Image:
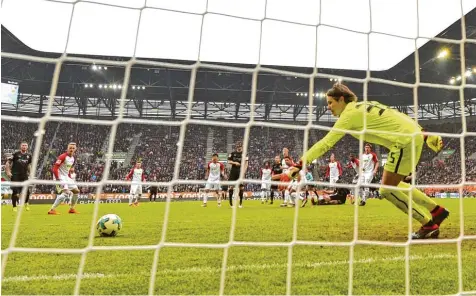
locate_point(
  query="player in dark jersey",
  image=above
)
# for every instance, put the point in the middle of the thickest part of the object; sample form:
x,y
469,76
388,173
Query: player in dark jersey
x,y
18,169
276,169
153,190
234,159
336,197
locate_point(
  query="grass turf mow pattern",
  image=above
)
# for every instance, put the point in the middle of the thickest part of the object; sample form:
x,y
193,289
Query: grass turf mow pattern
x,y
250,269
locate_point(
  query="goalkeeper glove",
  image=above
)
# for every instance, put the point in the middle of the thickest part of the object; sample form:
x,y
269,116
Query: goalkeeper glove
x,y
435,143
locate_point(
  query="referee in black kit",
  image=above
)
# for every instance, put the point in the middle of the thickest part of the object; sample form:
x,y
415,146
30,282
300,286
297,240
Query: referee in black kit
x,y
18,169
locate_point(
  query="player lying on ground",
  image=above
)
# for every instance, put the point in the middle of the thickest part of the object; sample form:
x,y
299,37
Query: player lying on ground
x,y
67,188
342,102
338,196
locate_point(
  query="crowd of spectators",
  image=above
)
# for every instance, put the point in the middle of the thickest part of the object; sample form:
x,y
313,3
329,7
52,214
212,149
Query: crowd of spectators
x,y
158,148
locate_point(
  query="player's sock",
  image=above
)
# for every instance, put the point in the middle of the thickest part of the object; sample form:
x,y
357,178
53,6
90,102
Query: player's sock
x,y
419,197
74,200
131,198
240,194
205,198
271,196
27,198
218,198
230,196
365,194
138,197
286,196
401,200
59,200
14,200
263,194
293,197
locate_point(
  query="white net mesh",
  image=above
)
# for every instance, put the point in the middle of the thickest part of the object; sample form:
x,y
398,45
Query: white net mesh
x,y
58,62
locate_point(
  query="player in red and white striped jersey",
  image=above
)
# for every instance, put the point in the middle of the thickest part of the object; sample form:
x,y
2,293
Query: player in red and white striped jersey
x,y
137,176
369,170
334,170
61,172
265,174
215,170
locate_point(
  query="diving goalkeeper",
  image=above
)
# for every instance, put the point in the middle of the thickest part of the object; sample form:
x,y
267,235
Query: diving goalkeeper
x,y
380,120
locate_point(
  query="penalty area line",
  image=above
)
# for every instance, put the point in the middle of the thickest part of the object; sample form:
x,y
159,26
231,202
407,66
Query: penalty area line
x,y
245,267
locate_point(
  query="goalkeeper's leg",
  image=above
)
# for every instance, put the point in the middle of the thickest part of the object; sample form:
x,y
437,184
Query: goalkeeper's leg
x,y
397,167
438,213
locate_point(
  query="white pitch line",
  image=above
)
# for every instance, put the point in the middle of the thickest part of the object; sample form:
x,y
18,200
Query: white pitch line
x,y
248,267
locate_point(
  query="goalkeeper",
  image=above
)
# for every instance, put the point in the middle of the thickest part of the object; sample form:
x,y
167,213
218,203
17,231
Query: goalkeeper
x,y
381,121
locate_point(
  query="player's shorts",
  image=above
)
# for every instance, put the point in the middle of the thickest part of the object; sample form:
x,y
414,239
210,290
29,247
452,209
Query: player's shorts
x,y
367,177
266,186
400,159
16,178
66,184
136,189
234,175
333,180
213,185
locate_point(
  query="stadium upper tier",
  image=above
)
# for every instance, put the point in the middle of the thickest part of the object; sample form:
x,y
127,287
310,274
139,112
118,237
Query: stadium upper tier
x,y
156,146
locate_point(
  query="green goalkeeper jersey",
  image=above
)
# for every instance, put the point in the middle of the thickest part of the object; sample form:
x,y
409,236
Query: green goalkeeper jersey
x,y
380,121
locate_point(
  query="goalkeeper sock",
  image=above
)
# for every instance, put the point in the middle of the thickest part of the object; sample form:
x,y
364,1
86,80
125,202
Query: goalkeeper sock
x,y
401,200
271,197
74,200
59,199
419,197
241,196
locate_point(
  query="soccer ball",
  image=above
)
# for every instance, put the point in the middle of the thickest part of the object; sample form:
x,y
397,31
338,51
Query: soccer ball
x,y
109,225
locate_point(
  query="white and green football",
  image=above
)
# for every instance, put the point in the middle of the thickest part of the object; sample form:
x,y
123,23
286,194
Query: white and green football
x,y
109,225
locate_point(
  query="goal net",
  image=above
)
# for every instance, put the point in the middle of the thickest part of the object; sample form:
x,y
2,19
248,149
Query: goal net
x,y
309,39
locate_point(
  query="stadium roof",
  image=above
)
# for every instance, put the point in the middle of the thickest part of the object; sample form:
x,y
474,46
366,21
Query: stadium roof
x,y
85,80
350,34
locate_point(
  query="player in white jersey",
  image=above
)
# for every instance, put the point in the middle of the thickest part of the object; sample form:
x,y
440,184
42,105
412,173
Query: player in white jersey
x,y
137,176
354,164
265,173
215,170
334,170
369,170
62,172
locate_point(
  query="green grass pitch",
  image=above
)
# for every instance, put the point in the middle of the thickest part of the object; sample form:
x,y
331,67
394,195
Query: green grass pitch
x,y
250,270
